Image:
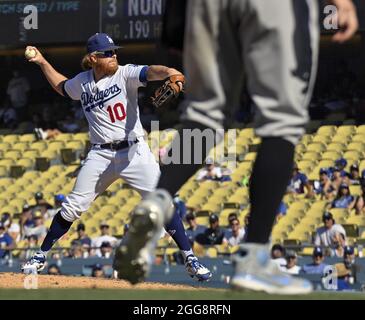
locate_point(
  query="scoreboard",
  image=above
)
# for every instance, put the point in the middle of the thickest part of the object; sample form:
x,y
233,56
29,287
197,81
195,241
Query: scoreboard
x,y
132,19
73,21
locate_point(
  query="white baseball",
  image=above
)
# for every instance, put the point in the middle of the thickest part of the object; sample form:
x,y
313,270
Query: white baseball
x,y
30,53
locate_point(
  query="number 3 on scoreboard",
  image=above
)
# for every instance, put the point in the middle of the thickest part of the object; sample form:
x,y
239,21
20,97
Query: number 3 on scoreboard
x,y
117,112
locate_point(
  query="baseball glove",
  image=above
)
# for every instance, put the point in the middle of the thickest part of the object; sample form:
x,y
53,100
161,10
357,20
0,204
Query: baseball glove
x,y
169,91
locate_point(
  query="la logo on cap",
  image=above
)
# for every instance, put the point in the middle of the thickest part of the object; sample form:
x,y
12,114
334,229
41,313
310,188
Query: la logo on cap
x,y
110,39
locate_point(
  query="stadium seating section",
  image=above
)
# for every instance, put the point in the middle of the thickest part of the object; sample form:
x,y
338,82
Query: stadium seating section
x,y
28,166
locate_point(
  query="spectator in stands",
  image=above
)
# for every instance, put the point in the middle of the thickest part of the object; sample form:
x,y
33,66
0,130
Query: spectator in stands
x,y
106,250
26,219
337,179
291,262
44,130
226,175
8,116
281,211
235,235
326,235
31,243
41,204
6,242
12,227
180,206
354,175
18,93
82,237
344,198
39,229
214,234
278,256
210,172
360,203
323,186
104,237
347,270
231,216
193,228
58,200
339,243
77,251
299,183
341,164
54,270
317,266
98,271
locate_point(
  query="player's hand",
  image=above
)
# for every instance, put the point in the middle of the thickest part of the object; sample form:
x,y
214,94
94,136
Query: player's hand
x,y
347,20
38,59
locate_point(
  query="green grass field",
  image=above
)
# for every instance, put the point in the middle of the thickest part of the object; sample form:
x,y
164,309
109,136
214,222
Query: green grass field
x,y
129,294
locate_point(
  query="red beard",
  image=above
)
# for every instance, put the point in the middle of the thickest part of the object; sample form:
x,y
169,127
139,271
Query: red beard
x,y
107,68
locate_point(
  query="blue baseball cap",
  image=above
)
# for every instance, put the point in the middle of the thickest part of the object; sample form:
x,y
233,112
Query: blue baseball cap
x,y
317,252
324,171
349,250
59,197
100,42
341,162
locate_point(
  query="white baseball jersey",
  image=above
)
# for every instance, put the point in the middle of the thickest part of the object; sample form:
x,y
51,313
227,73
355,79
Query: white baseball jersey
x,y
111,104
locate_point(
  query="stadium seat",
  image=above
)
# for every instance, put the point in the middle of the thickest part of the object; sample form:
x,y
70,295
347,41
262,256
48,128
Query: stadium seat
x,y
327,130
30,137
32,175
358,138
4,171
356,146
316,147
336,146
11,138
341,139
56,145
354,156
26,163
13,154
355,190
251,156
64,137
39,145
346,130
75,145
21,146
331,155
322,139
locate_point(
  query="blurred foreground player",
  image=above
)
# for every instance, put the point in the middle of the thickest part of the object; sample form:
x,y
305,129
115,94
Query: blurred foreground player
x,y
276,44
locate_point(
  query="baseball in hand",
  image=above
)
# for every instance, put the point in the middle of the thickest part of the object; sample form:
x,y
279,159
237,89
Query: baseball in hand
x,y
30,53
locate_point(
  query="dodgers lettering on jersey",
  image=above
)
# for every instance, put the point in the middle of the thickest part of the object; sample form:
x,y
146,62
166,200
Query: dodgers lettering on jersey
x,y
111,104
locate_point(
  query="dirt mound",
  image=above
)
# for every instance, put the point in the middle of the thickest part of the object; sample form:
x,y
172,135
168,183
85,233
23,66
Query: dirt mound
x,y
18,281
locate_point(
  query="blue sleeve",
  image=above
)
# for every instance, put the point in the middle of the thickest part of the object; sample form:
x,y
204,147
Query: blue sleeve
x,y
143,74
304,179
8,239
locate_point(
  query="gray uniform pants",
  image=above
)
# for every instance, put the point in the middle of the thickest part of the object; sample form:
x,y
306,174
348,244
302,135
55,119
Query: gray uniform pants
x,y
273,42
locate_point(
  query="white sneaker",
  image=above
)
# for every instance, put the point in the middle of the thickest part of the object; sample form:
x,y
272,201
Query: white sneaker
x,y
255,271
35,264
197,270
134,257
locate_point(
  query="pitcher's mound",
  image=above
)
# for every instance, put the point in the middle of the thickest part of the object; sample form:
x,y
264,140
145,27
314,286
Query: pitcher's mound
x,y
19,281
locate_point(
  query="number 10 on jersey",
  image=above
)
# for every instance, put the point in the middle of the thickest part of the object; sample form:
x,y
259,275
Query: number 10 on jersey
x,y
117,112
